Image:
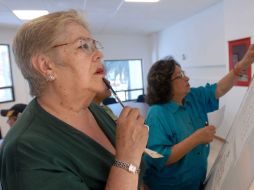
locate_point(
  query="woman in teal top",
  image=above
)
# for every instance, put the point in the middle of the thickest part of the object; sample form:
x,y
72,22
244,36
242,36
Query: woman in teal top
x,y
177,118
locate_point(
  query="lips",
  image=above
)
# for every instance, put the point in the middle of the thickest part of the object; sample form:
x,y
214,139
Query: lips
x,y
99,71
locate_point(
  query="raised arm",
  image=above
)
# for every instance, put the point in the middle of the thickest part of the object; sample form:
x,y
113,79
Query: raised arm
x,y
227,82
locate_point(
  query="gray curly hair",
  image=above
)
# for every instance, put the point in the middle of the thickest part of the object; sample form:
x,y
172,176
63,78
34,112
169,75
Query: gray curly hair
x,y
38,36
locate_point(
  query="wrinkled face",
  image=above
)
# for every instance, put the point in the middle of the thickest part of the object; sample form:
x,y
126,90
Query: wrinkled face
x,y
79,69
180,83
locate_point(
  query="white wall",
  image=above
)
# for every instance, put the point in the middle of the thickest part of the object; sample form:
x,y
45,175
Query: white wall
x,y
200,39
239,19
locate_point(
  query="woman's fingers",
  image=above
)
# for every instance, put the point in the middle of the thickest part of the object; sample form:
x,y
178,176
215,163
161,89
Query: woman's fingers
x,y
131,134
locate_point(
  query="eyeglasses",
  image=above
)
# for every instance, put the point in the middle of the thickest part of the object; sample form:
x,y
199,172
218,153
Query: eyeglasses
x,y
179,76
87,44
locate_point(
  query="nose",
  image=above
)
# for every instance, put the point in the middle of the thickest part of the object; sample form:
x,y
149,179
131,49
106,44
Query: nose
x,y
98,55
186,78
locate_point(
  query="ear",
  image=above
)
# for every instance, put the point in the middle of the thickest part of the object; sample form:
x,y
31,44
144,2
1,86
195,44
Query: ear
x,y
42,64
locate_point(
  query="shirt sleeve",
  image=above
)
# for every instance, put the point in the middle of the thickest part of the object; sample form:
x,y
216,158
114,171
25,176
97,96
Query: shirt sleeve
x,y
205,95
161,137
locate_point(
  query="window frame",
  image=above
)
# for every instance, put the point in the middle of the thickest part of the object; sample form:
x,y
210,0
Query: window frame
x,y
11,87
129,90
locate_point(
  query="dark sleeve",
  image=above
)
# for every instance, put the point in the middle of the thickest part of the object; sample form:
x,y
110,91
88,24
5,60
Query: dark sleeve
x,y
45,180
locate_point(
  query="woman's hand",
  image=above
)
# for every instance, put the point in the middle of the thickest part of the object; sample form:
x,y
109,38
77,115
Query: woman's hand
x,y
227,82
201,136
205,135
248,58
131,136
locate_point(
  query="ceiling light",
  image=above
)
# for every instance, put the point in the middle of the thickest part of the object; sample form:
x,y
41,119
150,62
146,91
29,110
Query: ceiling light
x,y
142,1
29,14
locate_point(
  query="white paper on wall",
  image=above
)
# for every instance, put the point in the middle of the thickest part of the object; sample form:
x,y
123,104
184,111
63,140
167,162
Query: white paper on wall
x,y
216,117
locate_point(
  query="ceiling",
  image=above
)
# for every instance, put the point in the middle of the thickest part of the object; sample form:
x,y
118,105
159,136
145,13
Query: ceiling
x,y
113,16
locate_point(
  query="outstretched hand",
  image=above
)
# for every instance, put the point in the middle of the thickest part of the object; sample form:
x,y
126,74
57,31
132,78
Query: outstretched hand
x,y
248,58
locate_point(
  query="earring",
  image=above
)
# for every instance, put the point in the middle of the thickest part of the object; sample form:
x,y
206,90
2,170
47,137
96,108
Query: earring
x,y
50,77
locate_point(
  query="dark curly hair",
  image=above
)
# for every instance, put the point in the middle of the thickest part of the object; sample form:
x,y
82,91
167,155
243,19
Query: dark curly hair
x,y
159,88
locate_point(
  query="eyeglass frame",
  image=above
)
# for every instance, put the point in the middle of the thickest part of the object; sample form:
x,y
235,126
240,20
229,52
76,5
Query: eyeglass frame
x,y
96,44
179,76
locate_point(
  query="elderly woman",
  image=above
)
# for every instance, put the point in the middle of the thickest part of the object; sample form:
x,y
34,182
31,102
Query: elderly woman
x,y
62,141
177,117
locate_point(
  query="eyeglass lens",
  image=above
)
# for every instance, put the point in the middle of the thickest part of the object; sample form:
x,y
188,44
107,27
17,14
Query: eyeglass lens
x,y
90,45
179,76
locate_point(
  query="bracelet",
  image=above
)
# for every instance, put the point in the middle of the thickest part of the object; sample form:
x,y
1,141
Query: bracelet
x,y
237,70
126,166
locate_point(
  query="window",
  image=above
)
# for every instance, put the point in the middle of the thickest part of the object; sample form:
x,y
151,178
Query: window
x,y
6,84
125,77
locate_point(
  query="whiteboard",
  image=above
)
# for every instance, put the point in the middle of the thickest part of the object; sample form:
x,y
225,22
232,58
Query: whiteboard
x,y
234,166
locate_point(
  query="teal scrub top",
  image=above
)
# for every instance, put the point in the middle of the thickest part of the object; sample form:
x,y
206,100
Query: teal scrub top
x,y
171,123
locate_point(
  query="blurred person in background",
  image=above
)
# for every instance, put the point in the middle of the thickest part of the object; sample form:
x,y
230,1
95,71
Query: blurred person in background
x,y
13,113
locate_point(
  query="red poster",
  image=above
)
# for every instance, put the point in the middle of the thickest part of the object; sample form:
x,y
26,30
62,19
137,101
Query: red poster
x,y
237,49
